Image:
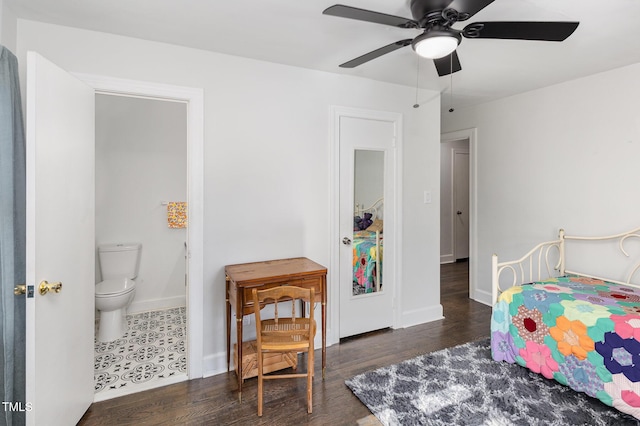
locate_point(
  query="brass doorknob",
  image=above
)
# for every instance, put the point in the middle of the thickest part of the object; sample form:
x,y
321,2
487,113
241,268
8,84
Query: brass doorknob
x,y
45,287
20,289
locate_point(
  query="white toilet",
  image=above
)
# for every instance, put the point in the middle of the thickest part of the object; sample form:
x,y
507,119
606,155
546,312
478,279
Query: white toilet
x,y
119,264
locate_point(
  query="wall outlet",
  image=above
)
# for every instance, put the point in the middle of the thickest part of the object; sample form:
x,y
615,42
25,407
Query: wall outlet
x,y
246,320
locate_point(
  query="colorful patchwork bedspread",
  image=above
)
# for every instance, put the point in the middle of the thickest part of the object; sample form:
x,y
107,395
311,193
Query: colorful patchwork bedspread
x,y
582,332
364,259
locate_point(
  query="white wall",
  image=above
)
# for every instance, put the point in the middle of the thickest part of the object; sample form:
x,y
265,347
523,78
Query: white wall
x,y
420,281
141,161
267,158
563,156
446,198
8,27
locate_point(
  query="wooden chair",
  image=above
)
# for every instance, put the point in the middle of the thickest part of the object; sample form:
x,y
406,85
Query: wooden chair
x,y
285,334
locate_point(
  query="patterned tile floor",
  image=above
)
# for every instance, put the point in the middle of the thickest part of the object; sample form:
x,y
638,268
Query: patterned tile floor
x,y
152,353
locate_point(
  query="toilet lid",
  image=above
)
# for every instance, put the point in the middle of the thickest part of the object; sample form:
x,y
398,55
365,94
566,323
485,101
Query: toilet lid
x,y
115,286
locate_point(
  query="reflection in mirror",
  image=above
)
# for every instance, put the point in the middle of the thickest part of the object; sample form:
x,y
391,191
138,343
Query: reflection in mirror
x,y
368,221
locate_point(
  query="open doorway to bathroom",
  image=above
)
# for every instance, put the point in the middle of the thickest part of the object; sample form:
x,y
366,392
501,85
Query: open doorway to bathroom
x,y
141,175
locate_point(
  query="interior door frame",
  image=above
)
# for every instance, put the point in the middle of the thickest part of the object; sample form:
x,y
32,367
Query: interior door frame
x,y
194,99
336,113
472,136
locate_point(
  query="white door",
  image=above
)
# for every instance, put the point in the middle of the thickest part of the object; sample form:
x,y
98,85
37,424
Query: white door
x,y
60,244
461,203
363,307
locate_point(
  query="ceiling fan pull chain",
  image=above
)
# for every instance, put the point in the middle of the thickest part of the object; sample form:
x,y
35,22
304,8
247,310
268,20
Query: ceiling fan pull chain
x,y
451,84
417,105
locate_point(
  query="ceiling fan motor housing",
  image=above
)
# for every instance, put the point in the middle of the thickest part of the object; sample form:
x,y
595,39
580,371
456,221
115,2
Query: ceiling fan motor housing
x,y
435,15
420,8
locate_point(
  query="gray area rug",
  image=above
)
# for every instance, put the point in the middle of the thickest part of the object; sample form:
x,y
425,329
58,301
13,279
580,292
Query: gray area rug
x,y
463,385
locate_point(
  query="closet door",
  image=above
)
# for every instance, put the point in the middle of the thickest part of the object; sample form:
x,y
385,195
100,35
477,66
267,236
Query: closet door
x,y
367,145
461,203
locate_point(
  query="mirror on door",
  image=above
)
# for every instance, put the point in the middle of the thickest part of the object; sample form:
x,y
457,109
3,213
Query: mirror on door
x,y
368,221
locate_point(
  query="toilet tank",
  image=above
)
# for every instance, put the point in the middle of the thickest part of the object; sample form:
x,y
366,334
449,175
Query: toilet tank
x,y
119,260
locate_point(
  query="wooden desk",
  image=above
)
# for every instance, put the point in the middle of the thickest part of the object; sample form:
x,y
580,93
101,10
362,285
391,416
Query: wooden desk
x,y
241,279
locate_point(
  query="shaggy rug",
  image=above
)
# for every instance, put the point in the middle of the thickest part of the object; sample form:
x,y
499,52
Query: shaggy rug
x,y
463,385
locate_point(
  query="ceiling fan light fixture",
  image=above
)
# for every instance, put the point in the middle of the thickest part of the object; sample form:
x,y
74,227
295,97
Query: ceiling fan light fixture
x,y
436,44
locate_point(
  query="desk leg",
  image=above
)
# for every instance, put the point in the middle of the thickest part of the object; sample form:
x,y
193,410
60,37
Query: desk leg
x,y
324,337
228,303
239,352
228,334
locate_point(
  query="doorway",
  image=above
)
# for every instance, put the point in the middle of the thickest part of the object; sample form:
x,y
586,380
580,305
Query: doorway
x,y
193,101
141,177
458,201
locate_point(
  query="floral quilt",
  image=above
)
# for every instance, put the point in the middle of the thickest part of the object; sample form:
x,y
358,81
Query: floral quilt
x,y
364,260
582,332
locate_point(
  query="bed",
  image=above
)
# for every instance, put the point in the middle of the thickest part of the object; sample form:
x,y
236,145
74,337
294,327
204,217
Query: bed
x,y
580,329
367,248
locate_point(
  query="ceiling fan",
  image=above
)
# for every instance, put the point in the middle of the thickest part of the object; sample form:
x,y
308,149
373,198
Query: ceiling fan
x,y
439,40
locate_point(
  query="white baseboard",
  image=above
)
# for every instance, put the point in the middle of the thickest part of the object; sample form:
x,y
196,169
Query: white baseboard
x,y
447,258
482,297
216,364
156,304
422,315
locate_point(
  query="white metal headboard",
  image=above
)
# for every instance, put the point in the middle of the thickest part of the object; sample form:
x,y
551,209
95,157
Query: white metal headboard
x,y
376,207
548,259
620,238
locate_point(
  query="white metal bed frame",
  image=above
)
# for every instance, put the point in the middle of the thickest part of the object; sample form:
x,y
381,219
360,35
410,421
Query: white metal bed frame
x,y
538,264
373,209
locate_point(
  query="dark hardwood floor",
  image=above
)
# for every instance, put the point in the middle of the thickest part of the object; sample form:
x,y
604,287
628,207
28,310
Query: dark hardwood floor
x,y
213,401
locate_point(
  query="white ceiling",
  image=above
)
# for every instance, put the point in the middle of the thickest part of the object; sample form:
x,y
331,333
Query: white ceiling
x,y
294,32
